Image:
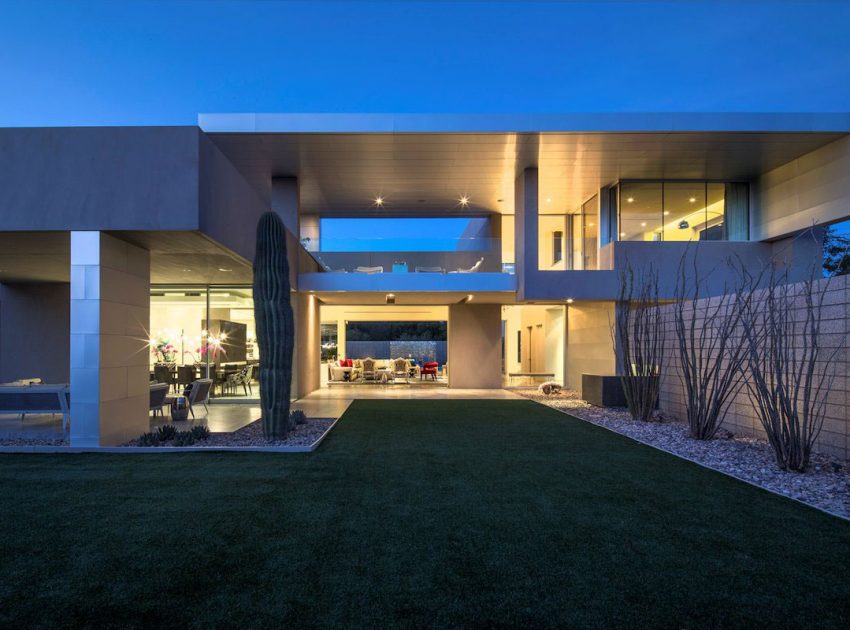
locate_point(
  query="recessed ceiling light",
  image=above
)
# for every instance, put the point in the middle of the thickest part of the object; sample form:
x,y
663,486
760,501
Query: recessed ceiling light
x,y
666,212
187,270
692,199
569,300
379,201
548,199
463,200
630,199
643,224
225,269
590,224
622,233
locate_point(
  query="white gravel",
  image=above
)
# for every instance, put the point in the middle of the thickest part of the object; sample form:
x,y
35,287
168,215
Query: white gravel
x,y
826,485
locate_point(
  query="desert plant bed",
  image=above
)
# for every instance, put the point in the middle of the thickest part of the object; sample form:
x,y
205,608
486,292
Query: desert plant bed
x,y
826,484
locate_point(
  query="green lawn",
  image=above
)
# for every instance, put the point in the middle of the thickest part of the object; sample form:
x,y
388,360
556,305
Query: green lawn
x,y
414,513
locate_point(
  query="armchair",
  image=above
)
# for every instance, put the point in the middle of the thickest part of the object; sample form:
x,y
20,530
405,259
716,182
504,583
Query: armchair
x,y
401,369
429,369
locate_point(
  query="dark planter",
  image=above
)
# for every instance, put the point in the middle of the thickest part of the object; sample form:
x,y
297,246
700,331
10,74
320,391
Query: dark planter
x,y
604,391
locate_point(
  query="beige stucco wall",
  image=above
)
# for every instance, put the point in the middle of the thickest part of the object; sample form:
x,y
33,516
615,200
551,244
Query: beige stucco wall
x,y
307,358
813,189
741,417
590,349
475,333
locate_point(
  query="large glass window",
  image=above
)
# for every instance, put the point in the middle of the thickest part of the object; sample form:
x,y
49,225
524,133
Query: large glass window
x,y
683,211
590,228
205,332
641,211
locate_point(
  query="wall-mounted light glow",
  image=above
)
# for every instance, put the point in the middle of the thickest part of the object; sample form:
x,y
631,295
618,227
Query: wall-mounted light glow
x,y
666,212
224,270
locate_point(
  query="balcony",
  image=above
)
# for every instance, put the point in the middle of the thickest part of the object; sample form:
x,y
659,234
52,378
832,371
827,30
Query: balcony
x,y
473,264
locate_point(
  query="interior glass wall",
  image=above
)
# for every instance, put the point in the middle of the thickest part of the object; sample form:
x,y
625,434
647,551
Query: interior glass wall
x,y
683,211
568,240
205,332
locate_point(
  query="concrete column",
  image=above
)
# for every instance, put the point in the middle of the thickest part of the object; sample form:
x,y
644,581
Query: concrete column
x,y
308,341
285,202
475,334
526,227
110,320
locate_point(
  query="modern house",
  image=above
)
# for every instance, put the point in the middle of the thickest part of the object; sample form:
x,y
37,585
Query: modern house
x,y
126,248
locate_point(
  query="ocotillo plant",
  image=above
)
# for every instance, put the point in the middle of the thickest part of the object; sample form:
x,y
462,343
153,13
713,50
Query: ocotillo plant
x,y
275,329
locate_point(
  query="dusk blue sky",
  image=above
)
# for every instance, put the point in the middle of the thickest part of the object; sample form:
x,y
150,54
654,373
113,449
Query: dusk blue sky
x,y
146,62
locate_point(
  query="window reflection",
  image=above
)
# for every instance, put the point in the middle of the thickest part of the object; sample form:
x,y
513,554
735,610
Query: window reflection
x,y
681,211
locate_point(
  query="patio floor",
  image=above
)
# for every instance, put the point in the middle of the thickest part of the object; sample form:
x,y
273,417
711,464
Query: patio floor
x,y
438,513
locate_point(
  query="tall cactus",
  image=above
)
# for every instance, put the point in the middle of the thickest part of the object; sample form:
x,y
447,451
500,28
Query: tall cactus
x,y
275,327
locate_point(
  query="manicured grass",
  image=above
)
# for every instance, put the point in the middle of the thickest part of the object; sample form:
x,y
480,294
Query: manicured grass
x,y
414,513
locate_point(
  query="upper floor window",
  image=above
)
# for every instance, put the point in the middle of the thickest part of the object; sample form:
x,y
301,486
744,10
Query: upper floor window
x,y
683,211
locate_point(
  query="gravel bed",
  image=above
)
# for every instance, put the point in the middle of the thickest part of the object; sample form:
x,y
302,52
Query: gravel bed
x,y
252,435
34,442
826,485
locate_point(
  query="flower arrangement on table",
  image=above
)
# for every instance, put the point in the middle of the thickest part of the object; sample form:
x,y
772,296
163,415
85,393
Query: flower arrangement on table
x,y
163,350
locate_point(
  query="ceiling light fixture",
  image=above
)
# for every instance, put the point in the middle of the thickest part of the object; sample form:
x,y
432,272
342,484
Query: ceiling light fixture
x,y
570,300
630,199
464,200
666,212
390,298
468,298
379,201
548,199
643,224
224,270
692,199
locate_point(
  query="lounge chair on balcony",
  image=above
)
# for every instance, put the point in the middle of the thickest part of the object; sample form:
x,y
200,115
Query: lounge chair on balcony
x,y
378,269
420,269
472,269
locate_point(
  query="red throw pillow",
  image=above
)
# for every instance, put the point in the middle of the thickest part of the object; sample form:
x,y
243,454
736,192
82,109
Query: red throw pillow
x,y
346,363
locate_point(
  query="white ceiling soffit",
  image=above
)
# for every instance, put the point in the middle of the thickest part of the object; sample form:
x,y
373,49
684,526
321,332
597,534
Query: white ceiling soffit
x,y
427,172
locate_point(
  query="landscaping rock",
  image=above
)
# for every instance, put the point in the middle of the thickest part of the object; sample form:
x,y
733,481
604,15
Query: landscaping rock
x,y
826,485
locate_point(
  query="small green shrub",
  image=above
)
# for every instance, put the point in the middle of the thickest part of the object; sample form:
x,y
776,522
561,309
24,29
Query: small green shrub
x,y
296,416
200,432
149,439
184,438
166,432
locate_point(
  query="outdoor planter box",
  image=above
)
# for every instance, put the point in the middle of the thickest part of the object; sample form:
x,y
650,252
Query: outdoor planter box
x,y
603,391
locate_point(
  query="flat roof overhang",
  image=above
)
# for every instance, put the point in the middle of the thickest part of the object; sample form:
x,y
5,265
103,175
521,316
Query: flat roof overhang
x,y
422,163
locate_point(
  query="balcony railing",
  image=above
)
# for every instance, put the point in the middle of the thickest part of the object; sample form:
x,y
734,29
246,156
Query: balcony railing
x,y
427,255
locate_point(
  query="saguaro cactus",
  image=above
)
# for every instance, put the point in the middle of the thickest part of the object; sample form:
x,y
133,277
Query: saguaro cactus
x,y
275,328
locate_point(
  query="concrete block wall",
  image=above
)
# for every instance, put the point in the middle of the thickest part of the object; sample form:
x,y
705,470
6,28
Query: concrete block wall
x,y
741,417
